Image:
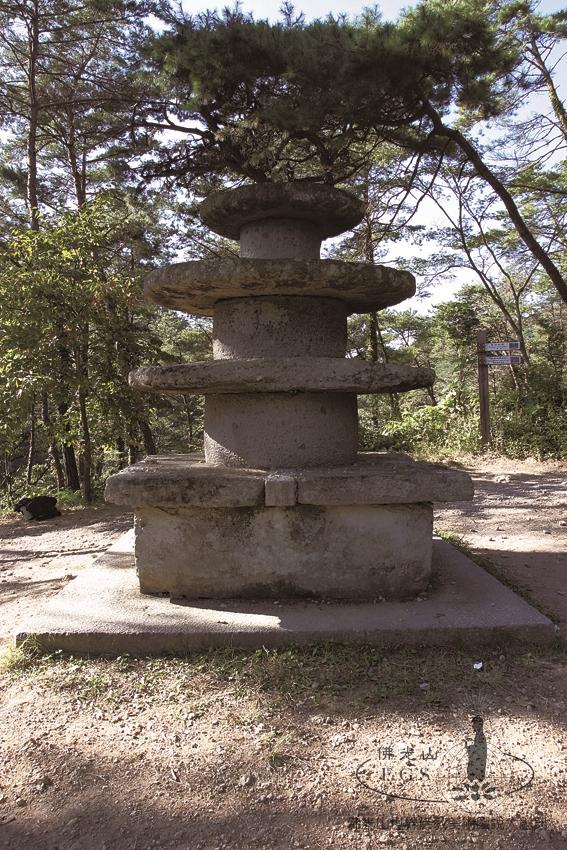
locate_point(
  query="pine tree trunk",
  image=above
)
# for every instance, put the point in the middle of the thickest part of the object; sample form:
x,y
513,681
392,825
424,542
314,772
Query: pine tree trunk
x,y
29,471
538,252
148,437
121,451
379,341
81,362
86,449
555,100
72,480
132,445
52,449
34,44
375,334
69,458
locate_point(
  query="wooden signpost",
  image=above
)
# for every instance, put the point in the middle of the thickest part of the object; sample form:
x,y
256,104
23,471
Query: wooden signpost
x,y
484,362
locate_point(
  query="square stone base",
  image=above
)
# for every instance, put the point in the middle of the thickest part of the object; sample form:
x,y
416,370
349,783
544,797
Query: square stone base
x,y
351,552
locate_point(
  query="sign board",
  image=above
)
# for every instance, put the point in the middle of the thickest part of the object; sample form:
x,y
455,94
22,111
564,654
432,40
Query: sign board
x,y
509,360
512,345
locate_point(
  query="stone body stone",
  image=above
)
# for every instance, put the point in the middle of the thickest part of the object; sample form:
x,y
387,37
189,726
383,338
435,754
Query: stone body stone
x,y
352,552
279,327
198,285
280,238
269,430
283,374
330,211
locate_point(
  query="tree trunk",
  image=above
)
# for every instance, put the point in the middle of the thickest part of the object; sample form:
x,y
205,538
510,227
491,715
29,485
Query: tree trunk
x,y
78,173
70,460
374,330
58,466
53,450
373,337
555,100
121,451
132,445
29,471
72,480
148,437
86,449
7,482
483,170
377,339
81,361
31,188
430,388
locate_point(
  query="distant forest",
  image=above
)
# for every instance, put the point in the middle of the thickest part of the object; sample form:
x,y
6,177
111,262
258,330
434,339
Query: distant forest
x,y
117,120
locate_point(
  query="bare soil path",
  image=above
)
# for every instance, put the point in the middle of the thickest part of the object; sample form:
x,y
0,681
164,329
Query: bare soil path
x,y
296,749
38,558
517,527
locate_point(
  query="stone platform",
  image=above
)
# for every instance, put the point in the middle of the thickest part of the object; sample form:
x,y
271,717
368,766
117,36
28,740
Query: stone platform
x,y
102,612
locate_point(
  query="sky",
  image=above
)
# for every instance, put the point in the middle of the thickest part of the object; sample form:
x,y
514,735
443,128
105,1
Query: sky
x,y
320,8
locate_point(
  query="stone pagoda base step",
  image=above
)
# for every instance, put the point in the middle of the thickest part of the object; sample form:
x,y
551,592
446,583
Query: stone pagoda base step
x,y
103,612
377,478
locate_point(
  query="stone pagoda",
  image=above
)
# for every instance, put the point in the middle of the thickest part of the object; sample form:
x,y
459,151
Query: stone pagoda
x,y
282,505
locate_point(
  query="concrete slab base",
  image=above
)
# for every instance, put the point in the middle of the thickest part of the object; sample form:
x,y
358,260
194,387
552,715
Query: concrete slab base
x,y
103,612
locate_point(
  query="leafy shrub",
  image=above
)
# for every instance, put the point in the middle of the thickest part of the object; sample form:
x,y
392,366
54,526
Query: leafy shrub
x,y
435,429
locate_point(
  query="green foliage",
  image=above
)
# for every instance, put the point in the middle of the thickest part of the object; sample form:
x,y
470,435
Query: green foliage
x,y
528,403
72,326
436,430
534,424
292,100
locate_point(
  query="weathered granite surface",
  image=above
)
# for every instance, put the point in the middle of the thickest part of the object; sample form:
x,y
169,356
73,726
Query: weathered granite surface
x,y
196,286
282,374
382,478
284,326
281,239
352,552
269,430
375,478
184,480
331,211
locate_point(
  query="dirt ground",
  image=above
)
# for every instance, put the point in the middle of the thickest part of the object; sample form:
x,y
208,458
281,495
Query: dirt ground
x,y
38,558
328,746
517,526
